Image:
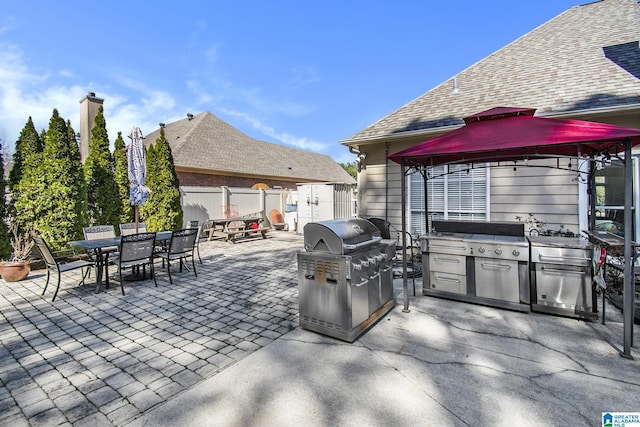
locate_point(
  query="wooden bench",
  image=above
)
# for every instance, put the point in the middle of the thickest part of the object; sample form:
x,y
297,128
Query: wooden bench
x,y
245,232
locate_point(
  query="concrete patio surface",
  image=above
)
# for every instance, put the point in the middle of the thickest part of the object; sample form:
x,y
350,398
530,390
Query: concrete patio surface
x,y
444,363
226,349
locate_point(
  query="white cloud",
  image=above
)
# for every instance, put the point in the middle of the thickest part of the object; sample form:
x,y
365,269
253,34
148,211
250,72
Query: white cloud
x,y
298,142
66,73
304,75
8,24
25,94
128,102
150,108
211,53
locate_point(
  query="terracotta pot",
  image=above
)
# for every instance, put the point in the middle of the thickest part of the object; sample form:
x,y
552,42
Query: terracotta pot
x,y
14,271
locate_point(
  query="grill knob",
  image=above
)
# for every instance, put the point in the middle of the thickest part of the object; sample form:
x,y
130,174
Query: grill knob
x,y
498,251
357,266
365,263
481,249
516,252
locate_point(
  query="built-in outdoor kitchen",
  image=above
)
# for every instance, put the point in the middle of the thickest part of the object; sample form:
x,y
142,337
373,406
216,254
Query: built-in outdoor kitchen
x,y
494,263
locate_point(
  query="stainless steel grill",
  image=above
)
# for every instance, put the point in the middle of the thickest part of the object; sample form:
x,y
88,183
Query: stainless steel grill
x,y
480,262
345,277
501,269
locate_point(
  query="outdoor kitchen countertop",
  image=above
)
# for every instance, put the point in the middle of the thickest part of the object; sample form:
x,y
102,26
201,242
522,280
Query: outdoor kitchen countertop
x,y
443,235
560,242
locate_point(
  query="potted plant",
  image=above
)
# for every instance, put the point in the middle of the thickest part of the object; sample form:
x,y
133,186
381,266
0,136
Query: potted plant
x,y
18,267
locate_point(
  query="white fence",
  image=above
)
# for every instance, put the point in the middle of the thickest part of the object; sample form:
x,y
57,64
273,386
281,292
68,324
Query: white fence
x,y
203,203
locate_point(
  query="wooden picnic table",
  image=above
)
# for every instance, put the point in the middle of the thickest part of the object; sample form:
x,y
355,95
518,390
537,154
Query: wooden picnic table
x,y
229,228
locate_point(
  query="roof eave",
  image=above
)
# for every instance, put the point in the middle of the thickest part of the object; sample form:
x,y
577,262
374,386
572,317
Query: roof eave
x,y
430,132
189,169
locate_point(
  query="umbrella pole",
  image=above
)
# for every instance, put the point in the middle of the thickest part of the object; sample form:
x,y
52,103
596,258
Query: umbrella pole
x,y
135,216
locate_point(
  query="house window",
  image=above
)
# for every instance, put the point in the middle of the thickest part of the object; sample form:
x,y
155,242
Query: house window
x,y
454,192
610,197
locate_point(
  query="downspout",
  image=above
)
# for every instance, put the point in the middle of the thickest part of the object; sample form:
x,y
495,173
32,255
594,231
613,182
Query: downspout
x,y
359,159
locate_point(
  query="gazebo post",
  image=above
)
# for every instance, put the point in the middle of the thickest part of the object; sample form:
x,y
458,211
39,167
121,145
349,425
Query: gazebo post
x,y
628,285
426,200
403,195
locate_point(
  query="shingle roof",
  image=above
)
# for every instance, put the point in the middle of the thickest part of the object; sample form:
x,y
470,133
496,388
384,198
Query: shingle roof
x,y
205,142
588,57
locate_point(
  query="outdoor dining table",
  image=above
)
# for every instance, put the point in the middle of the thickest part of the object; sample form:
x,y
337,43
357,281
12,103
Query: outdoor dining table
x,y
99,246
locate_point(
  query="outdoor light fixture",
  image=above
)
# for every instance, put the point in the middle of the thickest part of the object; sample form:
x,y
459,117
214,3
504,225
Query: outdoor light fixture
x,y
455,89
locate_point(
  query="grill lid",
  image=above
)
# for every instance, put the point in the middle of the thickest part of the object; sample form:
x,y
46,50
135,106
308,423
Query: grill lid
x,y
340,236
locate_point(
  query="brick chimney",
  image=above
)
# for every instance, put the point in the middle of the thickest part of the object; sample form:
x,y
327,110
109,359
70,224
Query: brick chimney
x,y
89,106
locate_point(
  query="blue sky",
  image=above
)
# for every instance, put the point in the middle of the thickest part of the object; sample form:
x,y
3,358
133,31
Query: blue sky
x,y
304,74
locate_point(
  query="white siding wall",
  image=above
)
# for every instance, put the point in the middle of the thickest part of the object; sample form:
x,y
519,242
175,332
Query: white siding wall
x,y
379,190
550,194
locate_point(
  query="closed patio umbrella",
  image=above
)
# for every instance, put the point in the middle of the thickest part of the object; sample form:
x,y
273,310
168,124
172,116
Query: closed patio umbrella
x,y
137,170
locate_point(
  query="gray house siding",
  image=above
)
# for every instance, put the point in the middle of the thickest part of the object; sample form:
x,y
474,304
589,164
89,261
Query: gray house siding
x,y
551,195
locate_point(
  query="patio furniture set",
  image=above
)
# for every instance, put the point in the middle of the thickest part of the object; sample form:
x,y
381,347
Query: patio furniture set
x,y
134,249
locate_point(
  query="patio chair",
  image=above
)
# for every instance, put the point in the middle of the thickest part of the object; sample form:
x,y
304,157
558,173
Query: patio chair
x,y
196,225
277,221
100,232
136,250
181,247
130,228
53,264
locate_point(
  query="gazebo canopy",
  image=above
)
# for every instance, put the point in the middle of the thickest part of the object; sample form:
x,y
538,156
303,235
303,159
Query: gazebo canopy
x,y
512,134
505,133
